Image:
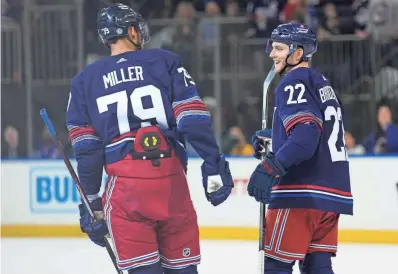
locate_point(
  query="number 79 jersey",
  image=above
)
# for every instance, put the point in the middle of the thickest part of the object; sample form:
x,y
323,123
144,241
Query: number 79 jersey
x,y
323,181
114,97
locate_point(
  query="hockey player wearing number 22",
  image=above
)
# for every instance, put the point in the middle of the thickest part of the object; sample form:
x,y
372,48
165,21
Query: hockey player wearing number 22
x,y
131,113
305,179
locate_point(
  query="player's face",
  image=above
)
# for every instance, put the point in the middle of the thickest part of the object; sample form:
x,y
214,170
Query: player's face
x,y
279,53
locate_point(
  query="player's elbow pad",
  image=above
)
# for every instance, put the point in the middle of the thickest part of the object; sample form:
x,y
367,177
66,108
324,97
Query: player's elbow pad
x,y
300,146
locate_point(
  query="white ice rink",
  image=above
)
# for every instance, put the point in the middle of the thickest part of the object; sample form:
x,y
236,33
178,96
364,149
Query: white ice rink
x,y
75,256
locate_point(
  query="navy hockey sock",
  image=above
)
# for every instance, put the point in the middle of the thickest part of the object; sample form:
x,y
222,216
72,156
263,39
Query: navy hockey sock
x,y
317,263
272,266
148,269
187,270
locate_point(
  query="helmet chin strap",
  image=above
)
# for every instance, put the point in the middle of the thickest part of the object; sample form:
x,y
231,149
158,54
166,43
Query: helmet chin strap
x,y
137,46
287,65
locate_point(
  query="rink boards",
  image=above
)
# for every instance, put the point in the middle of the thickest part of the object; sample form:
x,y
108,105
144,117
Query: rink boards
x,y
40,199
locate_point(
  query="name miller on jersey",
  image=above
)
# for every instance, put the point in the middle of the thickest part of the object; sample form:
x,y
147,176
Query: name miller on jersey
x,y
123,75
327,93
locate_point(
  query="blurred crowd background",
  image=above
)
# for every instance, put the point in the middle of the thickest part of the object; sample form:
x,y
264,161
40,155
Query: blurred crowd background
x,y
46,42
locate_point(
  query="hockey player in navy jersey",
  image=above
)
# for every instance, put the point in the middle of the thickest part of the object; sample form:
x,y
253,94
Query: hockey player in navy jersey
x,y
305,179
131,113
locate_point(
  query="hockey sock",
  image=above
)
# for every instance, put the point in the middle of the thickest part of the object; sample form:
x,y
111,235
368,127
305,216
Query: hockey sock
x,y
272,266
192,269
148,269
317,263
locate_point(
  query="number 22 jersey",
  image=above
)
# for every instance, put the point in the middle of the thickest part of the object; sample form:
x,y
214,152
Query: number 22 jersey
x,y
323,181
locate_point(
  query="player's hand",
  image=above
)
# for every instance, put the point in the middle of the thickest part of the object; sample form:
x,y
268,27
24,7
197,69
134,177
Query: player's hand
x,y
217,181
266,175
96,230
261,142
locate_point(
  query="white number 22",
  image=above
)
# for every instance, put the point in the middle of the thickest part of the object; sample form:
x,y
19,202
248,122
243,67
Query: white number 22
x,y
300,98
157,110
335,154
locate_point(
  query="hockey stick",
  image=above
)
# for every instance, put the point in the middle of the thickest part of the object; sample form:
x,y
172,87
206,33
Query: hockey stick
x,y
51,129
264,117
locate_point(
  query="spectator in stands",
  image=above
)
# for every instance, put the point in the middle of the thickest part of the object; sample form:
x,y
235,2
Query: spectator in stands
x,y
385,138
329,22
179,37
46,149
361,17
352,147
234,143
185,16
263,16
342,17
11,136
295,11
232,8
184,33
207,27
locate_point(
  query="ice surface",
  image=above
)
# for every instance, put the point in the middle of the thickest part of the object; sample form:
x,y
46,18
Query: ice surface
x,y
75,256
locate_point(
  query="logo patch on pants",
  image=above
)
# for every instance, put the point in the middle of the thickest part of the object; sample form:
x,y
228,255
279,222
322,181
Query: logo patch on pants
x,y
186,252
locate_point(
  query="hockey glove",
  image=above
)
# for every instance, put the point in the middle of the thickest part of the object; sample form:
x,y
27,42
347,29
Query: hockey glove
x,y
217,181
96,230
261,142
265,176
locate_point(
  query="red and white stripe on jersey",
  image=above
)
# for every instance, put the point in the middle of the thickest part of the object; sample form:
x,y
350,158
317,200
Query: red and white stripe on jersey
x,y
301,117
273,250
179,263
323,248
312,190
143,260
189,107
82,133
131,263
129,136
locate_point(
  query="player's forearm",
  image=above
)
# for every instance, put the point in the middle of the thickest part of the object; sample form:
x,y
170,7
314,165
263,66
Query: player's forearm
x,y
90,167
198,132
89,154
300,146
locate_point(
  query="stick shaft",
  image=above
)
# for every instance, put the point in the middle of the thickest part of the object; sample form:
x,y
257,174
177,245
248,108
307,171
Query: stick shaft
x,y
264,117
53,133
51,129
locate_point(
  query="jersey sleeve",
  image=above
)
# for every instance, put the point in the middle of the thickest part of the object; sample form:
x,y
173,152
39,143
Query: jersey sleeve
x,y
86,143
192,116
302,121
296,105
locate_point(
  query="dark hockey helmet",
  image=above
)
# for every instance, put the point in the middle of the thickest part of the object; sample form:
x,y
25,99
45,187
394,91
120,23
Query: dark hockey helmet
x,y
114,22
295,35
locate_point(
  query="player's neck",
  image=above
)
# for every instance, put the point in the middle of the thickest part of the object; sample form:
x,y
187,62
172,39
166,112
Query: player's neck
x,y
121,47
301,65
